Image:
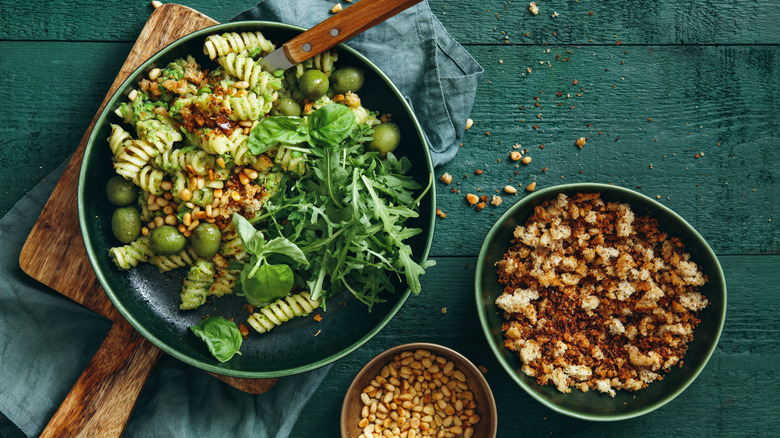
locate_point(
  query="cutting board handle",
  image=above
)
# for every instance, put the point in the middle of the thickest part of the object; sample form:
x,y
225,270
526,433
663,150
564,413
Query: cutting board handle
x,y
100,402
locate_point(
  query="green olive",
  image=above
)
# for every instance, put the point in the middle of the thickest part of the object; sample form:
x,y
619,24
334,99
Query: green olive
x,y
346,79
166,240
206,239
286,107
126,224
120,191
313,84
387,136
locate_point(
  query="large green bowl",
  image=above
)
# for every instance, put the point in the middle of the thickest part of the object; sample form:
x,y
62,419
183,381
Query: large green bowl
x,y
149,300
593,405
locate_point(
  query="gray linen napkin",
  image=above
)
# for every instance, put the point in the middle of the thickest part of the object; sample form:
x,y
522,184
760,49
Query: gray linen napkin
x,y
46,340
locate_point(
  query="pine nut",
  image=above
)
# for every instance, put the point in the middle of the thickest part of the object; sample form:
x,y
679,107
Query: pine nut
x,y
251,173
515,155
185,195
186,219
531,187
166,185
194,224
246,123
243,178
145,231
159,221
201,183
171,219
526,160
511,190
469,123
221,162
162,202
154,74
241,85
168,209
132,95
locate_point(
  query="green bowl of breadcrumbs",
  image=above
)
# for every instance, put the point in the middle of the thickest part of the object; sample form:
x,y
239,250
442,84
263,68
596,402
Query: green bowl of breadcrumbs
x,y
601,303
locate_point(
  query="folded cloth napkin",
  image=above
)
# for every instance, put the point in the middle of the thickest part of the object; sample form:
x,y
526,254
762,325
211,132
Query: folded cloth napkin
x,y
46,340
434,73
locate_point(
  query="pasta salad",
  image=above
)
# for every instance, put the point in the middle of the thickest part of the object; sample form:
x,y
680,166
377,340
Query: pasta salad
x,y
276,186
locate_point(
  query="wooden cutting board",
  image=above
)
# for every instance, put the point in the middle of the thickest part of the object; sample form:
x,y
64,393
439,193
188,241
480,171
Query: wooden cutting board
x,y
102,399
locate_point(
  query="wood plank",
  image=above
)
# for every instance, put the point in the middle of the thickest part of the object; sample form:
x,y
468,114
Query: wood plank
x,y
665,22
694,127
726,94
731,395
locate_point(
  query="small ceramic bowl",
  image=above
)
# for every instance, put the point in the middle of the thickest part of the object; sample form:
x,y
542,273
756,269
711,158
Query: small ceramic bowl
x,y
594,405
485,404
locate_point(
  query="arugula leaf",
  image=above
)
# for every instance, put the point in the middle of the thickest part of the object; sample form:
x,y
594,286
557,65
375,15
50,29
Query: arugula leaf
x,y
222,337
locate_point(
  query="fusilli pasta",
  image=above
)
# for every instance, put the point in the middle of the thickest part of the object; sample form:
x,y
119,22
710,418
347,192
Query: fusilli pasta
x,y
281,311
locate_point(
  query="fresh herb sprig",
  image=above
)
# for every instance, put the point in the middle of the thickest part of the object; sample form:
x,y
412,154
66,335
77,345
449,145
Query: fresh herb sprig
x,y
263,282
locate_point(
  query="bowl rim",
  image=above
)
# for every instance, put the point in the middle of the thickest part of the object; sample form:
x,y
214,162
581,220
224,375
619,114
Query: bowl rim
x,y
535,198
106,111
446,351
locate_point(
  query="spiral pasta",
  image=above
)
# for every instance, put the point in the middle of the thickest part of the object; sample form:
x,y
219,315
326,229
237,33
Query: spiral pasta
x,y
118,138
246,69
161,135
281,311
214,142
247,107
239,148
231,246
134,157
195,161
185,257
196,286
128,256
234,42
150,179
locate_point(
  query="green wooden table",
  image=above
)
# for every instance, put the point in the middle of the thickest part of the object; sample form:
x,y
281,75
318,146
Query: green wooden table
x,y
677,100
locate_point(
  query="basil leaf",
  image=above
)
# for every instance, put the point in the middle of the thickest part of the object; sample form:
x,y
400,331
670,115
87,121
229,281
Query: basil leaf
x,y
331,124
222,337
244,228
269,283
273,130
280,245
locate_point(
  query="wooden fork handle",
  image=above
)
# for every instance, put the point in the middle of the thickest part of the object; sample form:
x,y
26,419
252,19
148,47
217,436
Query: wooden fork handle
x,y
342,26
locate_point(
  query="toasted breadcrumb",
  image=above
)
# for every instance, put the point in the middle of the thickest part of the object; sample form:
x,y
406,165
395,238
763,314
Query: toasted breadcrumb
x,y
597,297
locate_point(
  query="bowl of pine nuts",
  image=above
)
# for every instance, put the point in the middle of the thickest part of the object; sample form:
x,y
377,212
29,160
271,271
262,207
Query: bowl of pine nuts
x,y
419,389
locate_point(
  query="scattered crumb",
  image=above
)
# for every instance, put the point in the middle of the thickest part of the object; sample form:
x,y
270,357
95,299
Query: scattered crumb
x,y
337,8
581,142
440,213
482,369
496,200
446,178
318,317
533,8
472,199
443,310
469,123
531,187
